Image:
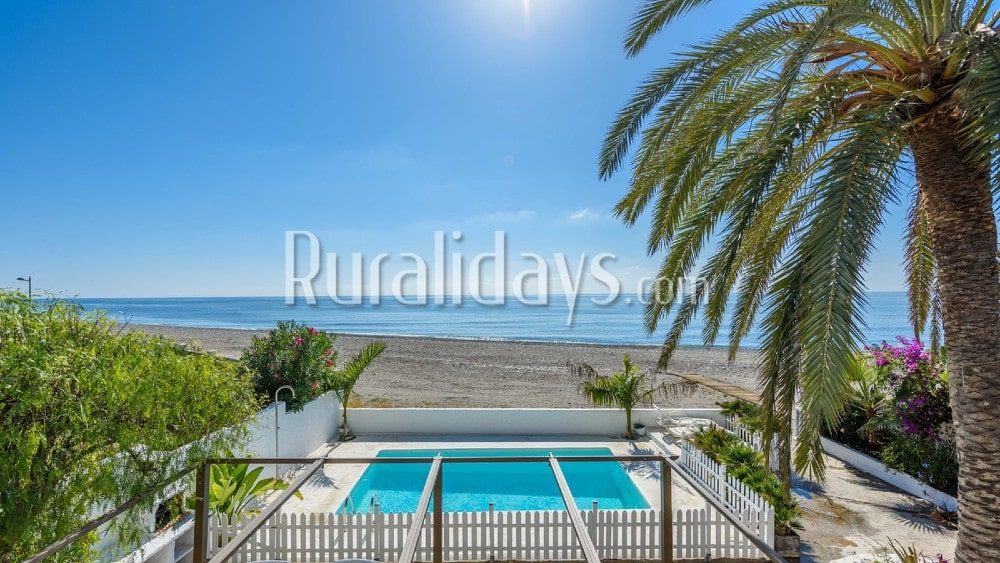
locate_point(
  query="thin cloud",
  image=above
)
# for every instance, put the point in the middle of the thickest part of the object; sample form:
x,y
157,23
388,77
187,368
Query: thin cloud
x,y
583,215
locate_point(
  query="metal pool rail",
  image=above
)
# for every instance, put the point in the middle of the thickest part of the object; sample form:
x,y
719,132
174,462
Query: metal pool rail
x,y
433,490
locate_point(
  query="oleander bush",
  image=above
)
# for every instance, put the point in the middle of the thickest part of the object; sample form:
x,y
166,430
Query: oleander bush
x,y
292,354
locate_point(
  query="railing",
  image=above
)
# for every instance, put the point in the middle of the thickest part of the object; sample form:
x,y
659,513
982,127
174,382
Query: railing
x,y
550,535
478,536
432,485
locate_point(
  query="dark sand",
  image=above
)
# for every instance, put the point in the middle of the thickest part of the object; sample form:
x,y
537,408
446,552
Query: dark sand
x,y
442,372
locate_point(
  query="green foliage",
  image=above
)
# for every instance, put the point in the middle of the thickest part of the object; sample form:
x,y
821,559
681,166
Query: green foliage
x,y
932,461
898,412
90,418
743,463
782,141
291,354
233,490
747,413
713,440
342,381
622,389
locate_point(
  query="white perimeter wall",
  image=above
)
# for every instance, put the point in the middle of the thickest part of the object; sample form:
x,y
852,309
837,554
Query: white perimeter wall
x,y
593,422
300,433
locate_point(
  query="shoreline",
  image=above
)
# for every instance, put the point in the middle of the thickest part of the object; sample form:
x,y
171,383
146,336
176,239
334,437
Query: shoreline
x,y
420,371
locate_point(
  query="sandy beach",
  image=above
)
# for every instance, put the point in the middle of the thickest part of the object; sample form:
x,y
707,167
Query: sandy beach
x,y
440,372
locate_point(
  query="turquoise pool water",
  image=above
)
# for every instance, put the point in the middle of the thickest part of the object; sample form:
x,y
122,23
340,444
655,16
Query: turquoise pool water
x,y
470,487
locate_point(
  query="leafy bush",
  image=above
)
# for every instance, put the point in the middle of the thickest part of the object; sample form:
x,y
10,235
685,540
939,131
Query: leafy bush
x,y
92,417
898,411
233,490
713,440
932,461
291,354
743,463
748,414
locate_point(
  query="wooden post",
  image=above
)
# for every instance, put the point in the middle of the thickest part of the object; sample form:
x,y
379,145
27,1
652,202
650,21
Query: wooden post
x,y
201,489
666,515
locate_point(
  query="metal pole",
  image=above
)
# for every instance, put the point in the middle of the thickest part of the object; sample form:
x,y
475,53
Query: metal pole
x,y
276,454
666,515
438,517
202,482
28,279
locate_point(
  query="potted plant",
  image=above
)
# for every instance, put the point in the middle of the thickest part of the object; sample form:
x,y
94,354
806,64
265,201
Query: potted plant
x,y
623,389
639,429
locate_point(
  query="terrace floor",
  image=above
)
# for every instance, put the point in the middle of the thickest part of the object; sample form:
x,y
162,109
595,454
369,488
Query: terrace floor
x,y
328,490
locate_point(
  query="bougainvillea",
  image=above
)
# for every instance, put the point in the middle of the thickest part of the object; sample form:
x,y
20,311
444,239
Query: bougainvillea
x,y
920,387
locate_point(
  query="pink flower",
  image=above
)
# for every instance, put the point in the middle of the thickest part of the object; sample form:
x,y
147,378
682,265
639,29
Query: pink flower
x,y
276,376
329,363
313,331
314,385
329,352
298,341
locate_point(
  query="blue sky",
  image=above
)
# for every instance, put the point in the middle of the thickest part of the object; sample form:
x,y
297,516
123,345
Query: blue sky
x,y
164,148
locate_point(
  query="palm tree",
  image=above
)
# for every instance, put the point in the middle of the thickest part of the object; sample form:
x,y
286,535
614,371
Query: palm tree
x,y
342,381
623,389
784,140
870,395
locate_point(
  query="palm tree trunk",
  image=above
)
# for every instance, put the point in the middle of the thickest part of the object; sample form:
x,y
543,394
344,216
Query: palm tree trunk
x,y
343,412
963,233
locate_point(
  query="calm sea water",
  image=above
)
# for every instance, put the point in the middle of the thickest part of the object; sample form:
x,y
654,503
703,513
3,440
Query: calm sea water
x,y
619,322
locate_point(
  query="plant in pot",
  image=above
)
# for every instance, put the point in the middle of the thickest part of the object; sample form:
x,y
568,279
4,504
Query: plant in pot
x,y
623,389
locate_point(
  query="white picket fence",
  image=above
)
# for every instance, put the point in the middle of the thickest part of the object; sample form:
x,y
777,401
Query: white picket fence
x,y
753,439
734,495
505,536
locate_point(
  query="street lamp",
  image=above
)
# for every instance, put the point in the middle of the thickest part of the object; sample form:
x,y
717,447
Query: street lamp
x,y
27,279
276,391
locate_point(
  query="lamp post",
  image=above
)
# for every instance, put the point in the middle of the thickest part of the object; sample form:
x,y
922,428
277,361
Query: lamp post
x,y
276,454
27,279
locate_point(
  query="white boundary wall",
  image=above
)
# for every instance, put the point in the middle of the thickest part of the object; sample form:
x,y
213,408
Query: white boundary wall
x,y
300,433
512,422
877,469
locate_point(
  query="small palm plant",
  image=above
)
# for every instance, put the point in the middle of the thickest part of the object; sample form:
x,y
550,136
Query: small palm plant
x,y
342,381
623,389
233,489
869,394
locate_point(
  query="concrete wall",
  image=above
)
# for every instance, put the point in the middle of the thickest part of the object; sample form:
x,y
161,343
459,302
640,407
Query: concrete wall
x,y
876,468
300,433
592,422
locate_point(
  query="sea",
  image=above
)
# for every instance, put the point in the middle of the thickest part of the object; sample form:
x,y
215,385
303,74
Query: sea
x,y
587,319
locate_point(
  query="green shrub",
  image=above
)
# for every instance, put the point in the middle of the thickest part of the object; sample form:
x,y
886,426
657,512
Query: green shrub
x,y
933,462
91,418
748,414
745,464
291,354
713,440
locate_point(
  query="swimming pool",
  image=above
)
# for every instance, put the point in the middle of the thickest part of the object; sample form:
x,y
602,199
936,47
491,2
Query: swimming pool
x,y
470,487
